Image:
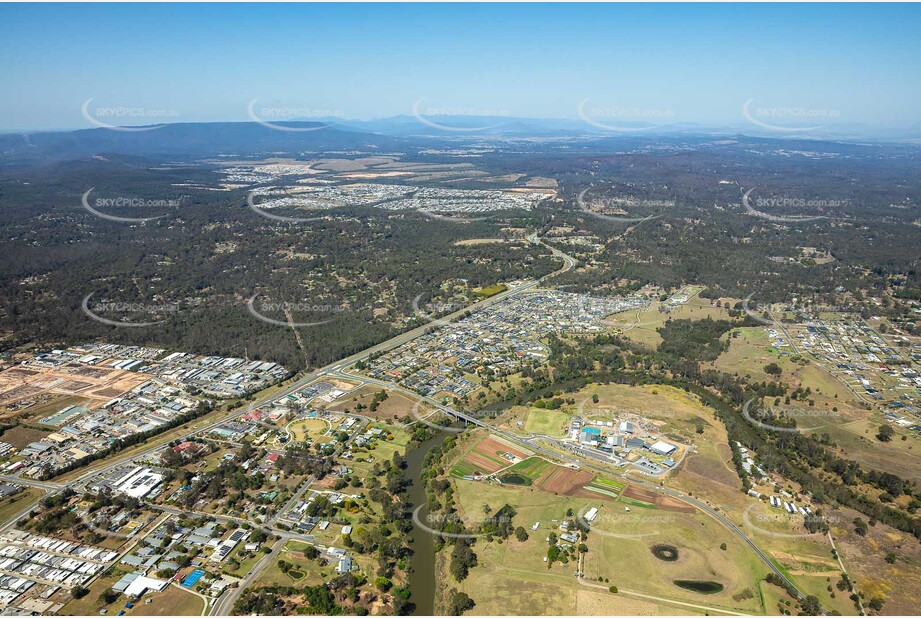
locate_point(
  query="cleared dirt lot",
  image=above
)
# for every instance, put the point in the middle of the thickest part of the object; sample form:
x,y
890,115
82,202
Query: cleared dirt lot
x,y
664,503
396,406
486,457
565,481
21,436
97,385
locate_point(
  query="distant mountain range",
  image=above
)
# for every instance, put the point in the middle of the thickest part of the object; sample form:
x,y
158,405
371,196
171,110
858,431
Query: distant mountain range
x,y
508,126
192,140
394,134
521,127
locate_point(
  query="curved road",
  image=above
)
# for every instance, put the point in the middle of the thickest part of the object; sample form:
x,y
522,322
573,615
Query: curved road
x,y
337,368
558,456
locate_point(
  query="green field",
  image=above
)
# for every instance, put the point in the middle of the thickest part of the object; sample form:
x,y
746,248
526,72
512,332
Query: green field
x,y
532,467
637,503
314,429
489,290
512,577
246,564
380,450
462,469
312,573
546,422
605,487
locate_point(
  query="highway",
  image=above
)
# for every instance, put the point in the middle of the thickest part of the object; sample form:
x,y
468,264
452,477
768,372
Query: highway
x,y
317,374
338,370
559,456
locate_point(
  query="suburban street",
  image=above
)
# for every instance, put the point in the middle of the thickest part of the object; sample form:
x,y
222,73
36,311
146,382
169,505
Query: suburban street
x,y
339,370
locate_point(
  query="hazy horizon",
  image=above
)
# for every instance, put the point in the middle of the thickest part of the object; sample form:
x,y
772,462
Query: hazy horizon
x,y
609,65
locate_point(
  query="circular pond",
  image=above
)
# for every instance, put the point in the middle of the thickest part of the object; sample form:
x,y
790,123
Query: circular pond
x,y
665,552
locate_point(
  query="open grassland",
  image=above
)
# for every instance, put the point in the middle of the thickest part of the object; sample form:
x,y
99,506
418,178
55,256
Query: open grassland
x,y
303,572
489,290
834,410
865,559
640,326
857,440
512,577
620,549
661,403
803,557
598,601
174,601
246,564
314,429
12,505
381,450
750,350
396,406
546,422
90,604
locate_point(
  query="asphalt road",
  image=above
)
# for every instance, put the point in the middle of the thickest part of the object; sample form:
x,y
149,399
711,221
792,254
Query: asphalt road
x,y
225,603
336,369
558,456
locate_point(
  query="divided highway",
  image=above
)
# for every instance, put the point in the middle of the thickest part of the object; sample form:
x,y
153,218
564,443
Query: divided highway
x,y
338,369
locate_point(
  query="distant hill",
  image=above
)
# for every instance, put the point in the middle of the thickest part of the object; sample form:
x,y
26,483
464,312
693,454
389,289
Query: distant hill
x,y
192,140
405,134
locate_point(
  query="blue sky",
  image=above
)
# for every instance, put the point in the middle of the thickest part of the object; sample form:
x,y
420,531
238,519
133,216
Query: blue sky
x,y
698,63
